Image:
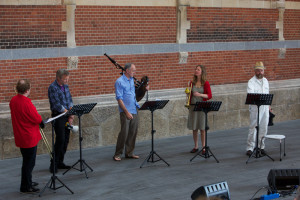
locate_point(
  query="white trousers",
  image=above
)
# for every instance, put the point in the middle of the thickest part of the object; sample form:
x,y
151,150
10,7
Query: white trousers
x,y
263,126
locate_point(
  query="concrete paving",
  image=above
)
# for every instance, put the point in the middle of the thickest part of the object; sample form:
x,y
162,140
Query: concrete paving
x,y
111,180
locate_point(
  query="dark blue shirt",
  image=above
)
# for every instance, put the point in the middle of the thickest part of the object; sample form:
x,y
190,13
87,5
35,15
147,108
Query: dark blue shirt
x,y
59,100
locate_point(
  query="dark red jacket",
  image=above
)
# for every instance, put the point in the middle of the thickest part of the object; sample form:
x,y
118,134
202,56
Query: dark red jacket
x,y
206,89
25,120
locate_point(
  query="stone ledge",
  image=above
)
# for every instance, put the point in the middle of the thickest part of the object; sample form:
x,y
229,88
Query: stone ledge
x,y
101,126
168,94
137,49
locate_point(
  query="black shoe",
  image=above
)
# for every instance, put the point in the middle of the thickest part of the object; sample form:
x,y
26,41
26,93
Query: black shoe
x,y
63,166
30,190
34,184
249,153
262,152
194,150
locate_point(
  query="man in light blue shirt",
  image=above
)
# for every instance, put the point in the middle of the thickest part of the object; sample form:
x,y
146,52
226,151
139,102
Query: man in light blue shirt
x,y
125,95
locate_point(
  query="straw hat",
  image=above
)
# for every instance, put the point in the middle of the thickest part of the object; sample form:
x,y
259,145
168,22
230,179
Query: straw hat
x,y
259,65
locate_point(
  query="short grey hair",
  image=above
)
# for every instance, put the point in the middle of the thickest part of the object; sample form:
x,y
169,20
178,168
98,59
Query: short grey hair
x,y
62,72
127,66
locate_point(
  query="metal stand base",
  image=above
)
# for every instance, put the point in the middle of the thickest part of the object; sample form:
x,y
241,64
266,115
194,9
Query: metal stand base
x,y
257,154
207,154
83,166
53,186
53,177
150,158
82,163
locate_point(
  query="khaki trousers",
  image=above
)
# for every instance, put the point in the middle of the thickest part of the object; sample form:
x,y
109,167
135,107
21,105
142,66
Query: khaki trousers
x,y
127,135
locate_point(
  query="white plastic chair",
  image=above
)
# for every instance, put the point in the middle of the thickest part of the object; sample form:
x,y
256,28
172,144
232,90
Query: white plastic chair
x,y
280,138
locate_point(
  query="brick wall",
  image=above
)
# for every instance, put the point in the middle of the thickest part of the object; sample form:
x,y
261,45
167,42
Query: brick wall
x,y
41,26
102,25
231,24
96,75
32,26
291,24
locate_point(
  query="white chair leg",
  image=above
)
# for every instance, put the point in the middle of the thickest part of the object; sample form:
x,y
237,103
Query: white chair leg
x,y
280,149
284,147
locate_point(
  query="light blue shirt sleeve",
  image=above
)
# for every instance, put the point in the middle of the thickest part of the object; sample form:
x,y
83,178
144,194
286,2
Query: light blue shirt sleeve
x,y
118,90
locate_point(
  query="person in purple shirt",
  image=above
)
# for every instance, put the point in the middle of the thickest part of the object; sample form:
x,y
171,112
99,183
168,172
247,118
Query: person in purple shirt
x,y
125,95
60,100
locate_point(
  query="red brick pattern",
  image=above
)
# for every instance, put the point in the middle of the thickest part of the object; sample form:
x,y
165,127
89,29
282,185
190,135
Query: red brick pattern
x,y
96,75
40,26
232,24
32,26
105,25
291,25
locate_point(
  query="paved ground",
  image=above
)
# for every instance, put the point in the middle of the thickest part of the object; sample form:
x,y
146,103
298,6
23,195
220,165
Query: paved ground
x,y
125,180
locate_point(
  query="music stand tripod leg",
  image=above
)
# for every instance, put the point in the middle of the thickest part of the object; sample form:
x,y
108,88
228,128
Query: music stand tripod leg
x,y
80,161
42,191
147,159
65,185
87,165
160,158
206,148
53,177
151,155
72,167
256,152
211,154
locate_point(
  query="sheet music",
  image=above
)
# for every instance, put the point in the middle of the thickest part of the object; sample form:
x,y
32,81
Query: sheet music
x,y
53,118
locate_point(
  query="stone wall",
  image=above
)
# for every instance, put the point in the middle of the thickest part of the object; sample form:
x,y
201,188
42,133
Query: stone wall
x,y
101,126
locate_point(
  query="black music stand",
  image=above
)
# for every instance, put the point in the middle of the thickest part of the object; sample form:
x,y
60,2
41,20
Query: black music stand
x,y
152,106
53,177
258,99
79,110
206,106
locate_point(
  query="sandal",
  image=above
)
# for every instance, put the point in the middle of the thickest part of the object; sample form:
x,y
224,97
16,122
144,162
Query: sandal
x,y
133,157
117,158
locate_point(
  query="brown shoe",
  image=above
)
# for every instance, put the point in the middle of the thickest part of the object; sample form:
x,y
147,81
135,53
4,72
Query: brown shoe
x,y
249,153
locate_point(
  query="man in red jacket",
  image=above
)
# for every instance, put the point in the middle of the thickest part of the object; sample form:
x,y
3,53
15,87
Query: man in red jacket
x,y
25,121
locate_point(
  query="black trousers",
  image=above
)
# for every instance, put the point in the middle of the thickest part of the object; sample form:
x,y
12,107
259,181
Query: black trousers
x,y
61,140
29,156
